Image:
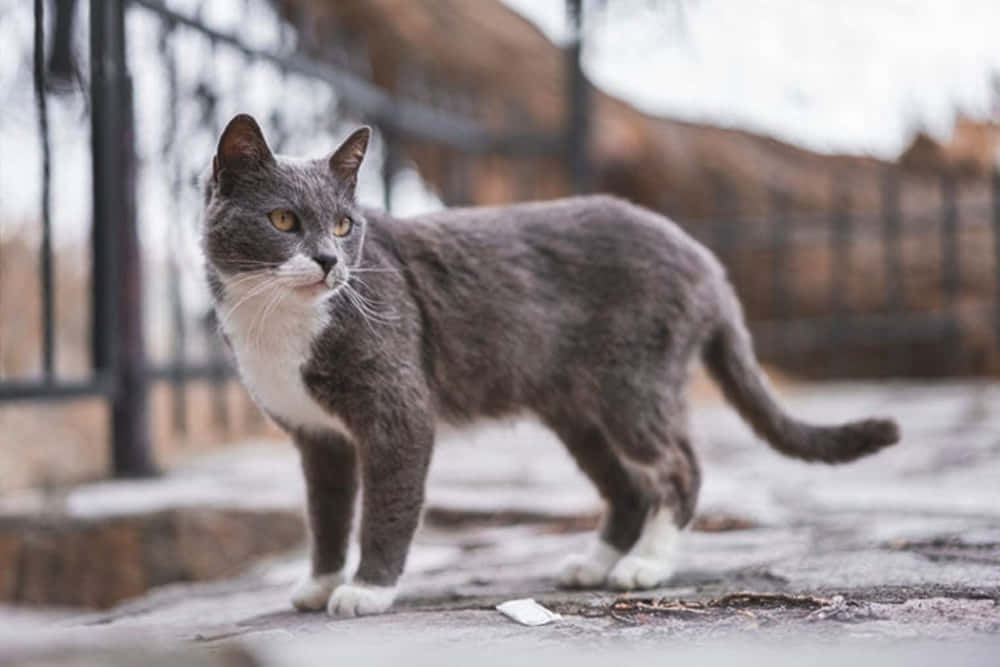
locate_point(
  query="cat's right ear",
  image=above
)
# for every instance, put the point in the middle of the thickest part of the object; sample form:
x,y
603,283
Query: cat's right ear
x,y
242,148
346,160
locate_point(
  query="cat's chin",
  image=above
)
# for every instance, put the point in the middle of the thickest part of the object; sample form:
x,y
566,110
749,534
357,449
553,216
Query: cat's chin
x,y
316,290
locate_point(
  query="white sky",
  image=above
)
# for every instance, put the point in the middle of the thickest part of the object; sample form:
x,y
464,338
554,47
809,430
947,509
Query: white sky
x,y
832,75
844,75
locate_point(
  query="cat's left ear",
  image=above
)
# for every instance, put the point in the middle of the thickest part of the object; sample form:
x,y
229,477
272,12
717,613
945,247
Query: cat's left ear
x,y
242,148
346,160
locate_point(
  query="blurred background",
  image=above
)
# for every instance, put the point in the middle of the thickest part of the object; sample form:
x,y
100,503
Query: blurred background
x,y
842,159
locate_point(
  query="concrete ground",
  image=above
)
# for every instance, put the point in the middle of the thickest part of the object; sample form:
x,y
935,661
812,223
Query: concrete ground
x,y
892,559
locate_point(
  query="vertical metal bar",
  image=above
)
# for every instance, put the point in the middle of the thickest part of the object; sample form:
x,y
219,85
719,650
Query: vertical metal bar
x,y
949,239
119,345
388,168
779,248
103,315
840,240
727,227
840,265
892,255
720,223
996,254
178,382
48,311
458,177
221,413
577,102
950,271
62,64
897,357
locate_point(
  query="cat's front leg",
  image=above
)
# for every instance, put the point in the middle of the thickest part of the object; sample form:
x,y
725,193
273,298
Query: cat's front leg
x,y
395,454
330,468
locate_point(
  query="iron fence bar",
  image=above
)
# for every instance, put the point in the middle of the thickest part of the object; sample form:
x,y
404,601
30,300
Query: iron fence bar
x,y
779,234
775,336
19,390
895,295
174,296
62,64
388,168
209,370
118,329
578,102
104,314
379,107
221,413
950,270
45,264
996,252
949,238
840,239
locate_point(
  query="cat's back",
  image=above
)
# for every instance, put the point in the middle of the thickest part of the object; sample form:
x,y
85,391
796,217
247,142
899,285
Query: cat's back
x,y
592,229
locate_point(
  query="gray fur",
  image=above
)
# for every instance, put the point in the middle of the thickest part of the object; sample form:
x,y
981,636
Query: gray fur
x,y
586,312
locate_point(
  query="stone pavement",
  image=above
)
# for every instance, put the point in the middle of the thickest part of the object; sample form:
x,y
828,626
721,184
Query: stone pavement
x,y
897,555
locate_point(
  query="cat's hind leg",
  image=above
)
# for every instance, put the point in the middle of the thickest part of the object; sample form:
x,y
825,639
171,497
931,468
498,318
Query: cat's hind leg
x,y
651,560
627,503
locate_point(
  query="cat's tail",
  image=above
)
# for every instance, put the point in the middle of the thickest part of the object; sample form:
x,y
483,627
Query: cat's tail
x,y
730,359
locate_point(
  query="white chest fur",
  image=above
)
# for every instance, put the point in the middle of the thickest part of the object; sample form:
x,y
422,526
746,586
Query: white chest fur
x,y
272,335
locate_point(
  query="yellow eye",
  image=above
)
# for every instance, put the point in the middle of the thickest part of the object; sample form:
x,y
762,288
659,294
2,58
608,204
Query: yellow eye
x,y
284,221
343,226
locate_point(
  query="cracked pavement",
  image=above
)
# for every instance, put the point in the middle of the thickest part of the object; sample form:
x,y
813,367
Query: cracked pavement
x,y
898,552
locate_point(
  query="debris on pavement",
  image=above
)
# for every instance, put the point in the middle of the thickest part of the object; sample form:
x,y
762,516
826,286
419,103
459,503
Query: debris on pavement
x,y
527,612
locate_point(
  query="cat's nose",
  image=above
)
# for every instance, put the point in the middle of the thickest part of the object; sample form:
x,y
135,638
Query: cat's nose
x,y
326,262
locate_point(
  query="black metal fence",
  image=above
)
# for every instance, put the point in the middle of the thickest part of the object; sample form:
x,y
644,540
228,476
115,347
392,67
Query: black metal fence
x,y
764,255
924,302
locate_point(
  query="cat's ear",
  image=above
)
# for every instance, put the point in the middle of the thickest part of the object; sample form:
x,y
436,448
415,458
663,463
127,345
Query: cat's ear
x,y
242,148
346,160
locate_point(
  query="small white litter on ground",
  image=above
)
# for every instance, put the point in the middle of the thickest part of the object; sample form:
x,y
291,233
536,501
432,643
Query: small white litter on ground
x,y
527,612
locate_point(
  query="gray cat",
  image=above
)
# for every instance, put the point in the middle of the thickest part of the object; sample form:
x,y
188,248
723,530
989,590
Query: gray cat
x,y
358,332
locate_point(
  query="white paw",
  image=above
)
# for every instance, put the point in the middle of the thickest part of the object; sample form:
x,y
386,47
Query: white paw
x,y
360,600
636,572
312,592
588,570
650,562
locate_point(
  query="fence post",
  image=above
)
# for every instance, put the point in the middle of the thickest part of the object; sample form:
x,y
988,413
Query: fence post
x,y
840,246
892,260
949,238
577,102
950,268
996,252
840,261
891,242
119,349
388,168
45,264
779,253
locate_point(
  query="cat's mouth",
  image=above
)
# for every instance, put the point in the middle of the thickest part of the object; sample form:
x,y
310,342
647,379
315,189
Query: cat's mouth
x,y
314,288
319,288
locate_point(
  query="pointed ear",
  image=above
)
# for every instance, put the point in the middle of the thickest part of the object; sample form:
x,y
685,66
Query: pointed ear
x,y
346,160
241,148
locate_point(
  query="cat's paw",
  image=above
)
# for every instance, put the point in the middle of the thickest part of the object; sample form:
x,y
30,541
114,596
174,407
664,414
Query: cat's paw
x,y
312,593
590,569
360,600
636,572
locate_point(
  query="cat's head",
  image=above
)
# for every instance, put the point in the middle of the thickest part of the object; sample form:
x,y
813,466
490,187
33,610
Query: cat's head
x,y
290,223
